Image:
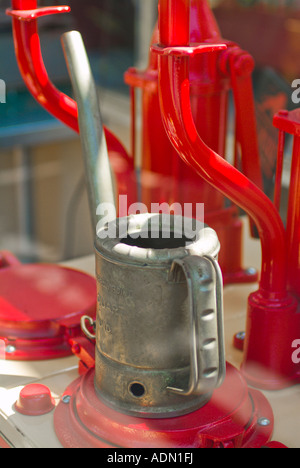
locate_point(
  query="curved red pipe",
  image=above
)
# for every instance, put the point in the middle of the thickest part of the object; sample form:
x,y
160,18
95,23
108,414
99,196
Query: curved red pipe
x,y
34,73
174,90
29,57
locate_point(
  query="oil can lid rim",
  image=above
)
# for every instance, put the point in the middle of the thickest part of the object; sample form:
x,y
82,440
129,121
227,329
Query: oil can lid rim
x,y
198,238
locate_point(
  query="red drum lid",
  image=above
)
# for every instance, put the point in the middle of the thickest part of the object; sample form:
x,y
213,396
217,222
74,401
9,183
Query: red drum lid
x,y
40,309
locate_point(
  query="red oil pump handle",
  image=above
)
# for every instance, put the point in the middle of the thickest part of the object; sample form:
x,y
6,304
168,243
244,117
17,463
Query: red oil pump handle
x,y
30,61
174,90
29,56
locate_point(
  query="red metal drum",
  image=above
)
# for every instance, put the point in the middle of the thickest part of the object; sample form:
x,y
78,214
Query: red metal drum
x,y
235,417
40,309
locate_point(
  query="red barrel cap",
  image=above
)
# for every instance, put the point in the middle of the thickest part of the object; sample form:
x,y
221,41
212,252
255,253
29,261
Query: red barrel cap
x,y
35,400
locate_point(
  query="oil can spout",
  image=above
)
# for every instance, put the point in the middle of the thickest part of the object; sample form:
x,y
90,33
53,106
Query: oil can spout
x,y
97,165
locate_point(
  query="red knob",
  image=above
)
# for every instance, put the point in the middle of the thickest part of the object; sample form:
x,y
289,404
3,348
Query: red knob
x,y
35,400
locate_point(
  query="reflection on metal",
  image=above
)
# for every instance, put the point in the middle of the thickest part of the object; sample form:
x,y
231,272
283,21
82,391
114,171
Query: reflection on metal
x,y
98,172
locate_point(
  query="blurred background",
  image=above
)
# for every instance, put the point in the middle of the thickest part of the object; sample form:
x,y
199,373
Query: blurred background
x,y
44,212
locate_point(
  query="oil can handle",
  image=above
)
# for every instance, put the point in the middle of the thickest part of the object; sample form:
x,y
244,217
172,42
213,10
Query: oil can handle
x,y
205,291
83,323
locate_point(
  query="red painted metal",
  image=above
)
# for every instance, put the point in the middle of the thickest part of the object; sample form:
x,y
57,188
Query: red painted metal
x,y
35,400
273,327
279,171
267,364
230,420
29,56
84,350
28,15
24,15
41,307
289,122
165,178
176,111
272,321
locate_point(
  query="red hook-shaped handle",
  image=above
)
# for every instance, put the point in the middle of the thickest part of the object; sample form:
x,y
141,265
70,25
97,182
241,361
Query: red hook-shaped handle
x,y
24,15
30,61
